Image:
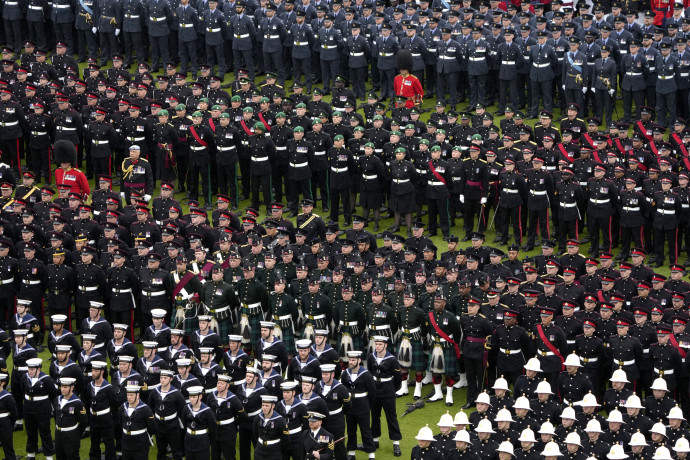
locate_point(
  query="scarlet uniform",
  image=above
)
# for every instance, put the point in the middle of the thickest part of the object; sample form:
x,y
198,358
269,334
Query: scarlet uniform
x,y
75,178
410,87
662,9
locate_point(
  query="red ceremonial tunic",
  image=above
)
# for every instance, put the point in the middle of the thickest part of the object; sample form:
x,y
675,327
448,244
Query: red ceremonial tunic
x,y
409,87
75,179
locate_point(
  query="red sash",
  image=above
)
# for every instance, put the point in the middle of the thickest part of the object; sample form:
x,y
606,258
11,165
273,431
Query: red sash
x,y
643,130
681,146
564,152
588,138
183,282
595,155
226,263
443,335
246,129
549,345
263,120
686,162
619,145
654,149
206,268
196,136
212,124
600,295
435,173
674,342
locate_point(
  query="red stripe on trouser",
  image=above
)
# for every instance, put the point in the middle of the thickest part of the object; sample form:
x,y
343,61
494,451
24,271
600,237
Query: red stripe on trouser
x,y
519,218
577,230
131,325
675,247
642,235
19,161
548,231
610,237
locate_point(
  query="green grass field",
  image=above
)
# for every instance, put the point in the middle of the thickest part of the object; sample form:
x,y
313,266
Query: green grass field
x,y
409,424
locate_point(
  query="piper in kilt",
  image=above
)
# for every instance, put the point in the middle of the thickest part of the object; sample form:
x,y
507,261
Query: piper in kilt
x,y
285,313
220,300
380,318
350,321
316,307
186,285
443,359
254,300
414,326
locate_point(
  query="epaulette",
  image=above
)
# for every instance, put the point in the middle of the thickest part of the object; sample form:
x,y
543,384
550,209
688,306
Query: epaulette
x,y
580,119
481,315
483,161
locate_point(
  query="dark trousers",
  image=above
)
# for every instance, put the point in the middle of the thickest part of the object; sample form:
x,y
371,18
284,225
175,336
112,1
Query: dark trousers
x,y
141,454
37,33
682,102
227,181
364,423
661,237
245,441
38,425
101,165
541,89
628,97
273,62
169,436
650,95
244,173
604,105
87,41
294,187
13,34
524,90
540,218
320,178
359,78
329,69
438,207
386,78
193,181
188,56
575,95
197,454
508,216
302,67
447,83
244,57
388,406
472,207
67,445
475,377
596,224
665,105
133,41
278,176
511,87
10,152
174,47
336,195
477,90
159,52
336,426
39,164
566,230
216,55
265,182
7,444
108,44
633,234
6,307
224,447
63,33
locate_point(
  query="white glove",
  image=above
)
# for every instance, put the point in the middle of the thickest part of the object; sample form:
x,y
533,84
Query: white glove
x,y
612,92
584,90
483,200
122,194
94,30
563,87
117,32
147,197
462,198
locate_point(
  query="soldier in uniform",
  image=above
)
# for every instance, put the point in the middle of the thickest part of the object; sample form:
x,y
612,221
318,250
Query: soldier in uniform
x,y
543,59
362,387
551,345
243,33
137,174
385,369
540,186
167,402
199,423
317,442
634,69
475,329
666,206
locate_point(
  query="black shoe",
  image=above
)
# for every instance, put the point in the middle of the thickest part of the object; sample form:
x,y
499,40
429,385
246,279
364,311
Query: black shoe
x,y
40,349
396,450
18,427
376,227
409,232
659,264
325,209
465,239
293,213
528,247
432,233
469,405
393,228
346,223
208,207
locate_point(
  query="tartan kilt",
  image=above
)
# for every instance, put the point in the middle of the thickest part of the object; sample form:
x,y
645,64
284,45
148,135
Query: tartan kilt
x,y
191,322
289,340
419,359
357,342
224,328
450,360
255,325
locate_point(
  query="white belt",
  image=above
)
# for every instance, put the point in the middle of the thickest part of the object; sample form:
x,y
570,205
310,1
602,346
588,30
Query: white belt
x,y
226,422
134,433
211,30
538,192
281,148
327,47
186,26
242,36
31,282
69,428
570,342
68,128
356,54
221,309
508,62
135,139
400,181
663,372
61,6
378,150
22,368
99,345
348,323
666,211
272,37
599,201
101,412
270,442
121,291
477,59
652,69
431,182
545,353
550,168
299,165
510,352
583,184
568,205
447,58
590,360
209,390
282,318
154,293
662,77
365,177
380,328
35,398
39,133
252,414
338,170
11,280
316,317
384,379
685,75
4,414
300,43
511,190
295,430
320,153
684,205
633,209
131,16
625,363
361,395
385,54
88,288
11,3
163,18
161,349
196,432
541,66
253,305
196,149
633,74
411,331
226,149
646,350
259,158
33,7
100,142
11,123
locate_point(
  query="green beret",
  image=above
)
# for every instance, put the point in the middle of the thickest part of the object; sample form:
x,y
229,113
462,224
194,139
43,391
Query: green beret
x,y
264,99
377,117
424,141
358,128
197,114
235,99
181,107
436,148
224,115
163,112
301,105
204,99
400,150
395,133
316,121
216,107
441,131
409,126
298,129
280,115
369,145
259,125
337,114
248,110
339,137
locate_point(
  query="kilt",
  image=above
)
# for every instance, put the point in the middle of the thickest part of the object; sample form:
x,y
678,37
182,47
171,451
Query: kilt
x,y
289,340
419,359
357,342
371,199
191,322
403,203
254,325
224,328
450,360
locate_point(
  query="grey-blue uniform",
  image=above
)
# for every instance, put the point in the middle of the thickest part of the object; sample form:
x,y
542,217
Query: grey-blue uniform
x,y
107,20
575,76
274,33
330,40
302,37
359,51
478,60
243,35
634,69
448,68
544,60
650,79
82,20
510,59
666,85
133,17
214,24
187,22
159,17
605,80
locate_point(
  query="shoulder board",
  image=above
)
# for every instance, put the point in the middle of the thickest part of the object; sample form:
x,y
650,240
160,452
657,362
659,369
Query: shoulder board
x,y
483,161
482,316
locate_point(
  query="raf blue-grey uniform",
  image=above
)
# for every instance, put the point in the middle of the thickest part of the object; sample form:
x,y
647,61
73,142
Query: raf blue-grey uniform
x,y
448,70
302,37
159,17
12,17
477,53
633,70
214,24
273,31
605,70
289,18
243,36
385,49
358,60
431,37
544,60
35,20
133,16
417,47
108,21
330,42
650,80
666,87
510,58
83,21
187,20
575,76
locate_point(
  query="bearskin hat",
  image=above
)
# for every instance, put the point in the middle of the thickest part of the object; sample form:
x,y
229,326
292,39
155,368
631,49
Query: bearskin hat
x,y
65,152
403,60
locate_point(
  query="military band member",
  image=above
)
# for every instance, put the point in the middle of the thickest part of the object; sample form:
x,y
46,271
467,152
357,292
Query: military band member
x,y
7,405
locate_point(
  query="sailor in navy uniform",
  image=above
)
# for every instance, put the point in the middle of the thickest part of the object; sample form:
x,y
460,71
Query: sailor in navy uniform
x,y
250,393
70,420
100,397
9,407
270,433
199,423
317,442
39,392
229,412
386,371
167,402
21,353
295,414
138,424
